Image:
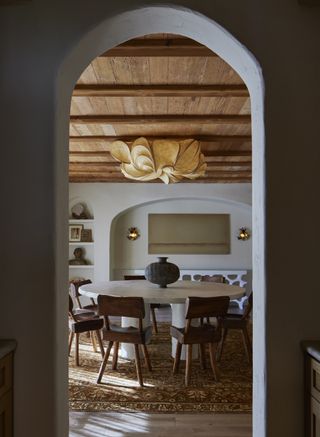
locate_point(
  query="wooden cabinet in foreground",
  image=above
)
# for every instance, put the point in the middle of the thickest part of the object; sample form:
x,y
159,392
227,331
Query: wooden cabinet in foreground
x,y
312,388
7,348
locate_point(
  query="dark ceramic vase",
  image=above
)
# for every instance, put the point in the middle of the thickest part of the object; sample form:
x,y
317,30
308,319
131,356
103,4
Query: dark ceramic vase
x,y
162,272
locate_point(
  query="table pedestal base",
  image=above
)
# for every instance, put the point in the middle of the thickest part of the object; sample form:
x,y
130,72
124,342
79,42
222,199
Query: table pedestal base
x,y
126,350
178,319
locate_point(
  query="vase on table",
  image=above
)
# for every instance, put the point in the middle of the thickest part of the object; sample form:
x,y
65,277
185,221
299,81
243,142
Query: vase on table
x,y
162,272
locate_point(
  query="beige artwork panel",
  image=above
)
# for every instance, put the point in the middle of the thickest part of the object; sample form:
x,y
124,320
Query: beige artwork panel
x,y
189,234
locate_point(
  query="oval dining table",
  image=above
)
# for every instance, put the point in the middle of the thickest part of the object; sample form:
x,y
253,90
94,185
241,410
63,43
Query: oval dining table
x,y
174,294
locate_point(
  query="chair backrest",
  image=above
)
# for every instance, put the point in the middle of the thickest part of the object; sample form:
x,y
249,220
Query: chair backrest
x,y
74,289
248,307
201,307
214,278
121,306
132,277
71,315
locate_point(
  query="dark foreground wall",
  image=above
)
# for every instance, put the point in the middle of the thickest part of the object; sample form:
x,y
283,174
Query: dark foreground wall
x,y
35,39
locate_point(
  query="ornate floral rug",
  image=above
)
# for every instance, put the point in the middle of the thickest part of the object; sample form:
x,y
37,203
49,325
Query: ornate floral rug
x,y
163,392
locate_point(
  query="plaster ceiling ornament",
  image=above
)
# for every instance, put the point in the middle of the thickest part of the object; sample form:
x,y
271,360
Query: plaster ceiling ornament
x,y
167,160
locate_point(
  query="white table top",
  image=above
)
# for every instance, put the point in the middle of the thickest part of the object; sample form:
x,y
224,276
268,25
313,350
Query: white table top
x,y
174,293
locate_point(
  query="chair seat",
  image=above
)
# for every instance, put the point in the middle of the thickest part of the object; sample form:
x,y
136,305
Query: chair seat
x,y
92,324
196,334
127,335
234,322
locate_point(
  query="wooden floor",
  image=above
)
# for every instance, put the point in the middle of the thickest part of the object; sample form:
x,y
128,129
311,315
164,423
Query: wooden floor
x,y
159,425
110,424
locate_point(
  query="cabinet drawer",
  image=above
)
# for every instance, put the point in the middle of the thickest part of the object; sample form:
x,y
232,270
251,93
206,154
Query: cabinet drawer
x,y
314,418
6,417
5,374
315,379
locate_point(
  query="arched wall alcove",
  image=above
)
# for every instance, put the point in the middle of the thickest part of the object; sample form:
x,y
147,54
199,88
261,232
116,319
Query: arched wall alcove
x,y
127,256
111,32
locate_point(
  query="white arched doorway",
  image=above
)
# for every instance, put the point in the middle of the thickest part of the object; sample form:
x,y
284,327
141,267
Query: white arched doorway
x,y
114,31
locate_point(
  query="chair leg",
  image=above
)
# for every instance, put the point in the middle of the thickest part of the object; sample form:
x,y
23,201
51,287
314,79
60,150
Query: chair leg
x,y
146,357
188,364
212,350
115,355
104,362
98,334
71,335
202,352
221,344
154,320
177,358
247,344
93,341
77,349
138,364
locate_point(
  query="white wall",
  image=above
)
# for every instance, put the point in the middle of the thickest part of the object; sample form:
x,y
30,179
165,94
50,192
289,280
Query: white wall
x,y
110,201
126,254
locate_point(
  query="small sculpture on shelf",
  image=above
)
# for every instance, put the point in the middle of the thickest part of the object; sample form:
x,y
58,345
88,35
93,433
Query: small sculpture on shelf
x,y
78,258
79,211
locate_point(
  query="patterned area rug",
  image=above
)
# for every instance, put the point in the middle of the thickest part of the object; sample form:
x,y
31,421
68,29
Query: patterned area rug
x,y
163,392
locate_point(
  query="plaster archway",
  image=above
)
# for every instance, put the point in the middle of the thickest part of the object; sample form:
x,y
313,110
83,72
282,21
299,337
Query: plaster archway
x,y
114,31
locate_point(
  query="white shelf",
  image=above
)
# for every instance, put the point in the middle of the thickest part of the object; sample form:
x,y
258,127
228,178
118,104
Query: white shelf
x,y
81,243
85,266
86,270
79,221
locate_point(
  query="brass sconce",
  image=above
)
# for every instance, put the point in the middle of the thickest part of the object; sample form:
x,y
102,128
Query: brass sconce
x,y
243,234
133,234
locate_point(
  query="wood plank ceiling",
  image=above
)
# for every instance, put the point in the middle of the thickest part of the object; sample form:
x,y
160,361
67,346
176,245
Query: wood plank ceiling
x,y
160,86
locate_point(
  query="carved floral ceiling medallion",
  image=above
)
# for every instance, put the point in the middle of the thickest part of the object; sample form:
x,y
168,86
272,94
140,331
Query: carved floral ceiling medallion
x,y
167,160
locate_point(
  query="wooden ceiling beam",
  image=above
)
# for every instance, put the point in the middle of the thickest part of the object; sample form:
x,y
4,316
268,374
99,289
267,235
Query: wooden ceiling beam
x,y
97,90
164,118
116,172
74,165
122,179
159,47
235,139
209,153
227,153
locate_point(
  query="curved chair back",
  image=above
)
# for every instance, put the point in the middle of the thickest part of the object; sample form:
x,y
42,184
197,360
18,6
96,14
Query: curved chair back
x,y
214,278
71,315
248,308
200,307
121,307
132,277
74,290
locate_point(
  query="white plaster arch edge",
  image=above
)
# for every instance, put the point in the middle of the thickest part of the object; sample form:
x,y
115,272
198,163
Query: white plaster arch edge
x,y
109,33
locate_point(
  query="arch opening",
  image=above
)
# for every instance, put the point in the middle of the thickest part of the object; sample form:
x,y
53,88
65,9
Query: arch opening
x,y
108,34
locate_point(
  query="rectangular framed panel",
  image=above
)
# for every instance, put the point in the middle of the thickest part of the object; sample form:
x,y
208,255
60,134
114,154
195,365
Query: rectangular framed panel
x,y
189,234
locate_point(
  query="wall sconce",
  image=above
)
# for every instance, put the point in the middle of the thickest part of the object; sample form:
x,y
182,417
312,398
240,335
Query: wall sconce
x,y
133,234
243,234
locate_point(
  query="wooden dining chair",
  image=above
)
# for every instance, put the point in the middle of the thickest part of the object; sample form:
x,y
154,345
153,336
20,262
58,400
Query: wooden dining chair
x,y
153,306
237,321
207,333
74,291
83,322
220,279
124,307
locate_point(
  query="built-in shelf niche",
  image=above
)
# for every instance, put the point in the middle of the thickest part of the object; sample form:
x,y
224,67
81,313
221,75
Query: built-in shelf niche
x,y
189,234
